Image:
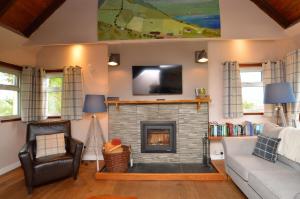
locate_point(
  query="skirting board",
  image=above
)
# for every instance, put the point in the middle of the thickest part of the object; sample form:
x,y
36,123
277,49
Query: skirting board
x,y
9,168
91,157
216,157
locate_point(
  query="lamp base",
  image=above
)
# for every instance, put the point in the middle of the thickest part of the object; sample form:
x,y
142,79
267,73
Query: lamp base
x,y
92,138
278,111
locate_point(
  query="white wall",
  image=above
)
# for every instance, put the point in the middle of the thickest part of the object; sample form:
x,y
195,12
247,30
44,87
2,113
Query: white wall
x,y
93,60
76,22
12,139
194,74
242,19
243,51
13,50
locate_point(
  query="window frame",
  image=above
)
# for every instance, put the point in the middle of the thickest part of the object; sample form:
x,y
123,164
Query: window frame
x,y
252,67
49,74
14,70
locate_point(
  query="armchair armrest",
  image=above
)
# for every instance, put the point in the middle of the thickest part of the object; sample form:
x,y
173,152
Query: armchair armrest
x,y
25,157
75,149
238,145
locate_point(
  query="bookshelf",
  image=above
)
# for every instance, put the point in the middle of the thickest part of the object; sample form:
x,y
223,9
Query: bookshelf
x,y
219,138
217,131
215,138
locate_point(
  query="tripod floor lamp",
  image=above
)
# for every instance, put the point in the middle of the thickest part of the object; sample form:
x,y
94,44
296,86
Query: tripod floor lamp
x,y
94,104
279,93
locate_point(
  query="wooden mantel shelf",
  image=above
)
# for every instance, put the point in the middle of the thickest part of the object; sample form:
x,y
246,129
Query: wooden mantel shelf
x,y
197,101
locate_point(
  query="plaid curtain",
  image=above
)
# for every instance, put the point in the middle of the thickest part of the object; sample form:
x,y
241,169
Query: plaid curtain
x,y
33,95
273,72
72,96
292,62
233,104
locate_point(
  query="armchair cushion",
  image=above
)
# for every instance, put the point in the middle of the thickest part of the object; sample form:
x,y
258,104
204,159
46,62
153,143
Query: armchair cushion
x,y
53,158
50,144
53,167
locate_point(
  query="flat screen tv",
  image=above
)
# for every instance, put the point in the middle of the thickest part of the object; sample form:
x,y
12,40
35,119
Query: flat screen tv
x,y
157,80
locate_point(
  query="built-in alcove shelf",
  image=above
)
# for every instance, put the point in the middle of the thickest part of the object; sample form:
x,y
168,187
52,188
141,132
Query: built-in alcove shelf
x,y
197,101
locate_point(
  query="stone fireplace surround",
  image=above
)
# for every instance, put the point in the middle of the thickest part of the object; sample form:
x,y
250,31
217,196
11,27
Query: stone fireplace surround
x,y
191,124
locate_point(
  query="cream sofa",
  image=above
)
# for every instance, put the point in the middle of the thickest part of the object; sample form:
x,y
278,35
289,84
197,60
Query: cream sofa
x,y
256,177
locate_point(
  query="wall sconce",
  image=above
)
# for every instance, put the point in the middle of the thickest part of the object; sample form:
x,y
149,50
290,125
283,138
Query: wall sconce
x,y
114,60
201,56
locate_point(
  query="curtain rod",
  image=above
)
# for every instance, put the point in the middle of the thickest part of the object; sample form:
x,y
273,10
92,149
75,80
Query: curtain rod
x,y
252,64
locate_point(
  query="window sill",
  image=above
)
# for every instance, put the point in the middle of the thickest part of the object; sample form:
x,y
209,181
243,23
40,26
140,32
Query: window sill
x,y
5,120
54,117
258,113
10,120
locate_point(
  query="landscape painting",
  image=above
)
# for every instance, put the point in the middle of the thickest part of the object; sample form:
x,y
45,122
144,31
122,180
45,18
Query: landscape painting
x,y
158,19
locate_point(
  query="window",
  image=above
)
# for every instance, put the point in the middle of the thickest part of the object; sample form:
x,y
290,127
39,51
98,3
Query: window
x,y
9,93
252,90
54,92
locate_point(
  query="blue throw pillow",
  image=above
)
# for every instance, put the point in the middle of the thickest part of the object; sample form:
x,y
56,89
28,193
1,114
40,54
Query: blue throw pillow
x,y
266,148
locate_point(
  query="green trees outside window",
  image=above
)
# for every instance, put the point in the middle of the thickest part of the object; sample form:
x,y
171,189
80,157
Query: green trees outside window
x,y
54,93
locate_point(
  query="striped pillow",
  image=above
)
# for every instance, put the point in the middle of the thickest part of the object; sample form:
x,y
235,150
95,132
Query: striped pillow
x,y
50,144
266,148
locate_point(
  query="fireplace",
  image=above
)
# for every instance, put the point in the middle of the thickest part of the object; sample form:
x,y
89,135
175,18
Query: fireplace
x,y
158,136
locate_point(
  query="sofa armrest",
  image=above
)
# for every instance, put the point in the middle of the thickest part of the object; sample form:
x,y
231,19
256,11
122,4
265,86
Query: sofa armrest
x,y
239,145
25,157
76,147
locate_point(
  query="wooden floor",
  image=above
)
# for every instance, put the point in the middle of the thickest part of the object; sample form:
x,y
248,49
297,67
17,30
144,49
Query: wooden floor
x,y
12,187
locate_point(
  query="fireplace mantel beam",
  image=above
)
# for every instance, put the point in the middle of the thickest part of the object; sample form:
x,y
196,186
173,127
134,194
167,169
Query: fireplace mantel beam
x,y
197,101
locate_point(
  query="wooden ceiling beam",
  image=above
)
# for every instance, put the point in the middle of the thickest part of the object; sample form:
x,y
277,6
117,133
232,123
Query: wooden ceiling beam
x,y
42,18
274,14
5,5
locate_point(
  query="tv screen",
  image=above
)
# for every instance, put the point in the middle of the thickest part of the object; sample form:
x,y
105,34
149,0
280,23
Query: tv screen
x,y
157,80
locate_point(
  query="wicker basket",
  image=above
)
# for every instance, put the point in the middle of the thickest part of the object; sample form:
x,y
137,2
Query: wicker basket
x,y
117,162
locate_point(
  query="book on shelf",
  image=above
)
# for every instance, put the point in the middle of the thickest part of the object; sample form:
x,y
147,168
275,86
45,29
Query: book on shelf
x,y
231,130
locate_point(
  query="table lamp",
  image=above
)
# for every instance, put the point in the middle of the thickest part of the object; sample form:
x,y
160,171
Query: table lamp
x,y
94,104
279,93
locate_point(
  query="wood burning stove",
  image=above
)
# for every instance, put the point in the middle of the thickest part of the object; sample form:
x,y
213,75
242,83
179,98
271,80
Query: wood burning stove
x,y
158,136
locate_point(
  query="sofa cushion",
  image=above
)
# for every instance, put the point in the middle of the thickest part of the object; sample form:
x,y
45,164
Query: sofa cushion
x,y
272,184
271,130
266,148
243,164
289,162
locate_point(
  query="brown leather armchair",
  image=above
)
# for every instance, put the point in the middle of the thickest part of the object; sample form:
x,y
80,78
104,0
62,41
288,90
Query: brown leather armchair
x,y
43,170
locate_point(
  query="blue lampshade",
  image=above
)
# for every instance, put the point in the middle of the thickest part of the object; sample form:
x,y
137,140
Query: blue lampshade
x,y
277,93
94,104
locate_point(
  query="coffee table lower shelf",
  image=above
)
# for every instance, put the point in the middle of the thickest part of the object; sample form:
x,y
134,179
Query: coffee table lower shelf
x,y
220,175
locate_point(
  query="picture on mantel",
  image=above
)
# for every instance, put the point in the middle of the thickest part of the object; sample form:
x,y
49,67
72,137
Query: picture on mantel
x,y
158,19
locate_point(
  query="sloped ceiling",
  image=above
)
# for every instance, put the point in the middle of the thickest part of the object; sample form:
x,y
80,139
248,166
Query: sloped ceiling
x,y
25,16
285,12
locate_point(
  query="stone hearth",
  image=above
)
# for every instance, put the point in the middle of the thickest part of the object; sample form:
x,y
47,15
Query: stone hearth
x,y
191,125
